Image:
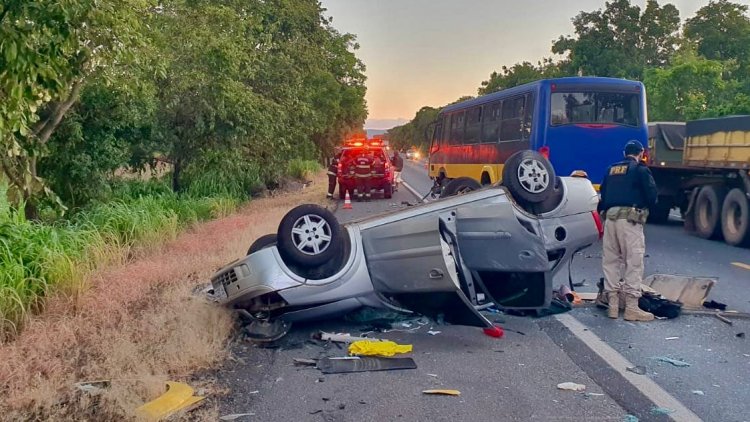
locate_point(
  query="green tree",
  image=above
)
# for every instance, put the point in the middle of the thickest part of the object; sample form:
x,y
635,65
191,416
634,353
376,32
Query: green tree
x,y
521,73
620,41
721,31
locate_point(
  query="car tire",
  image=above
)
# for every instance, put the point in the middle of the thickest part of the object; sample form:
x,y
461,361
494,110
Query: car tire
x,y
459,186
263,242
309,235
388,191
529,177
708,211
551,203
735,218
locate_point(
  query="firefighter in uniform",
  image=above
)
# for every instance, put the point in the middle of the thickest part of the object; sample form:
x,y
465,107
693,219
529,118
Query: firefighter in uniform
x,y
333,171
627,193
398,165
363,170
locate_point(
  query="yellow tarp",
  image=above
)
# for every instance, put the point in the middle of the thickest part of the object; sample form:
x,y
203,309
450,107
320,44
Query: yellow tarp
x,y
378,348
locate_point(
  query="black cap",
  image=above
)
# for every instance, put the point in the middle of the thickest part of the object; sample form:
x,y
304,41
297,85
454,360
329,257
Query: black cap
x,y
633,148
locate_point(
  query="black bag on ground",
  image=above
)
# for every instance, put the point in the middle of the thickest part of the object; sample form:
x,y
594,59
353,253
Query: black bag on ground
x,y
663,308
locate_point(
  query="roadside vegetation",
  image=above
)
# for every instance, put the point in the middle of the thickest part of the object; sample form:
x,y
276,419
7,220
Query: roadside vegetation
x,y
124,122
692,69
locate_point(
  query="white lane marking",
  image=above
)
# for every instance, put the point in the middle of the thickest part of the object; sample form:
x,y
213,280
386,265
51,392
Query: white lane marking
x,y
413,191
644,384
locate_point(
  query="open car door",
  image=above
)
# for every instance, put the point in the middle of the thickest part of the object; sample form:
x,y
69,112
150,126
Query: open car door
x,y
505,251
412,267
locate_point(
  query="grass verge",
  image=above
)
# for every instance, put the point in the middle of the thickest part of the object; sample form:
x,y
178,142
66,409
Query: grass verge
x,y
137,326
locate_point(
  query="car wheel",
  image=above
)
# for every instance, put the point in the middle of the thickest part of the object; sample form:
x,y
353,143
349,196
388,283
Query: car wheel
x,y
388,191
262,242
460,186
708,211
735,218
551,203
529,177
309,235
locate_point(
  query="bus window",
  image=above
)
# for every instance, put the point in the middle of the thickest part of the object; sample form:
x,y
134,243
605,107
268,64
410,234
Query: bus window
x,y
528,117
457,128
513,112
595,108
491,126
446,130
473,125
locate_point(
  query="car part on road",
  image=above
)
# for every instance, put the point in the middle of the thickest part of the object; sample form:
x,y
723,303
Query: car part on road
x,y
265,241
674,362
364,364
309,235
385,348
460,186
571,386
442,392
267,330
178,396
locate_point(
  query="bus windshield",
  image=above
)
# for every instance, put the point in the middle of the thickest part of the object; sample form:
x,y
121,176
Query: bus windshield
x,y
595,108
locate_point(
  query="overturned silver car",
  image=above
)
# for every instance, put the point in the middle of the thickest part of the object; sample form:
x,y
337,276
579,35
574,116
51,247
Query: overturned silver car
x,y
434,259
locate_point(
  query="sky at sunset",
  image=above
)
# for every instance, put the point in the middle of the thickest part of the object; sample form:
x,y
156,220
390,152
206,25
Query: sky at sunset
x,y
431,52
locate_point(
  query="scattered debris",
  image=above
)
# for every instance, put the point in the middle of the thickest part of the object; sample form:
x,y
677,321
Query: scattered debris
x,y
698,392
496,331
235,416
406,324
571,386
179,396
712,304
254,392
675,362
305,362
93,388
690,291
432,375
593,394
740,335
340,337
342,406
722,318
630,418
365,364
515,331
407,203
442,392
661,411
640,370
315,412
671,338
378,348
434,333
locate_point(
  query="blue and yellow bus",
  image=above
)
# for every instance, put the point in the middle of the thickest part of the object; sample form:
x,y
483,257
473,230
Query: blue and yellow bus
x,y
579,123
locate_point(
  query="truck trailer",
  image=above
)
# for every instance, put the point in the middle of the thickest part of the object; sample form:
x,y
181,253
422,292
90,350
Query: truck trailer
x,y
702,167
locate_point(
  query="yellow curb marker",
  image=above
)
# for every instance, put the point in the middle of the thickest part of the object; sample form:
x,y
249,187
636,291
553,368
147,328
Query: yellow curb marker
x,y
178,396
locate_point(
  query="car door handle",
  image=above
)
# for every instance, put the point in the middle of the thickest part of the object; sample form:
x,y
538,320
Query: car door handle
x,y
436,274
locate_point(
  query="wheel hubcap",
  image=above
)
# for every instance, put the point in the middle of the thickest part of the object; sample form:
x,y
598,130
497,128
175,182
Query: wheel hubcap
x,y
532,175
311,234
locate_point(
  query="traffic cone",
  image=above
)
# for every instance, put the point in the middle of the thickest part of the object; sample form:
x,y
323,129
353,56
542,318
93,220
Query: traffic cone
x,y
347,201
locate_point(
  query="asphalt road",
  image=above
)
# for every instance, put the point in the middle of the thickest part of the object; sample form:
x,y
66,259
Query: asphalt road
x,y
515,378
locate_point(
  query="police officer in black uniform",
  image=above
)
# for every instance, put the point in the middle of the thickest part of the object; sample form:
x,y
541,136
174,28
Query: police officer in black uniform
x,y
627,193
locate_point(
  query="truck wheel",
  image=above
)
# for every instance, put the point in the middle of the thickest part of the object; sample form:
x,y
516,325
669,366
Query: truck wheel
x,y
708,211
529,177
263,242
388,190
735,218
309,235
660,213
459,186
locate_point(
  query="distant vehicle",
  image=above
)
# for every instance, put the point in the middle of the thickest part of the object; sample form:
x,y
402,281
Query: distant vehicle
x,y
353,149
412,154
579,123
703,168
433,259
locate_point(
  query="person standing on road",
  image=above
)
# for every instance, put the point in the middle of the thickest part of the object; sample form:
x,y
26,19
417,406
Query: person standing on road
x,y
627,193
398,165
333,173
363,173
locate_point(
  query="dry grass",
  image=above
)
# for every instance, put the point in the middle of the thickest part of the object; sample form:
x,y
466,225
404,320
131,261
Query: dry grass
x,y
138,326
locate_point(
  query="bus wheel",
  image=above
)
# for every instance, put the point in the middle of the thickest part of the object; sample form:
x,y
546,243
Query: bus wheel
x,y
459,186
708,211
529,177
735,218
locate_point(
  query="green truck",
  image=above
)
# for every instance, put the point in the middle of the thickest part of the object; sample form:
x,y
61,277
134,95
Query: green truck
x,y
702,167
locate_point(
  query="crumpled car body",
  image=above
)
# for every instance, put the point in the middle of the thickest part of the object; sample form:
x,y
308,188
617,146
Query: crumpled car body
x,y
431,259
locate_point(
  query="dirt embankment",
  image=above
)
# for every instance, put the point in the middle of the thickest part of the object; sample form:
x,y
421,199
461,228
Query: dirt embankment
x,y
138,326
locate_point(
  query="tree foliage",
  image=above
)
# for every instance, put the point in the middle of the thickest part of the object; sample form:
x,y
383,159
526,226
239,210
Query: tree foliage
x,y
92,86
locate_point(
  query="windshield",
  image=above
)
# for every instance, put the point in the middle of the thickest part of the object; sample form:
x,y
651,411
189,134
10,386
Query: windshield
x,y
595,108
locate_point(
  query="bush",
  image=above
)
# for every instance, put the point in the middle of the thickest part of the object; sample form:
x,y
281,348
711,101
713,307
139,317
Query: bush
x,y
302,169
222,173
